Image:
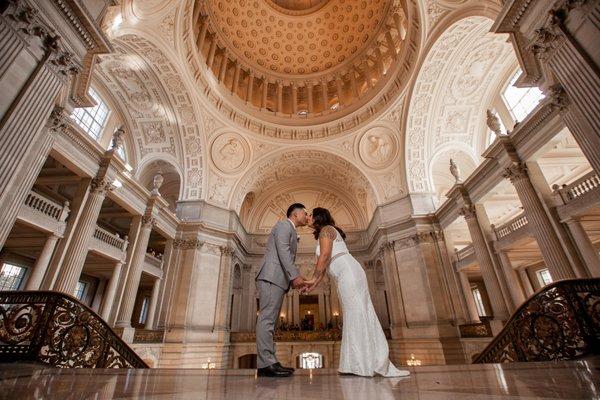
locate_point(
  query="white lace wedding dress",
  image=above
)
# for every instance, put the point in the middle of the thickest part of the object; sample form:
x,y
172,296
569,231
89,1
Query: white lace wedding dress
x,y
364,349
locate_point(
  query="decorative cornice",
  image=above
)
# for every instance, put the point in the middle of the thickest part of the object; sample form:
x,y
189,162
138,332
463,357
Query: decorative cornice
x,y
187,244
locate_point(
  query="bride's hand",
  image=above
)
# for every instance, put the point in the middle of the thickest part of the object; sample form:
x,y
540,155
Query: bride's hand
x,y
310,284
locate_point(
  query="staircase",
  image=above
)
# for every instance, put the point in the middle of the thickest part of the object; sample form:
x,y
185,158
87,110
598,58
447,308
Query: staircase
x,y
56,329
560,322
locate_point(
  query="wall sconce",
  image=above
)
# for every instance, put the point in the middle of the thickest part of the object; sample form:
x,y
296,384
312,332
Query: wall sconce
x,y
336,314
413,362
208,365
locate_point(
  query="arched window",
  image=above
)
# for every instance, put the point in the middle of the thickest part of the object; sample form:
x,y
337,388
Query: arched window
x,y
521,101
92,119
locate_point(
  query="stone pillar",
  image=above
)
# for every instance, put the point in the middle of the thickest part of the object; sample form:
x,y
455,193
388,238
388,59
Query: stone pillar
x,y
552,251
339,84
236,77
324,95
223,67
512,280
309,94
109,293
265,92
132,282
294,99
379,60
486,264
526,282
249,87
473,314
584,246
279,97
202,34
152,306
41,264
296,307
166,288
211,51
395,292
327,310
225,286
322,315
353,85
390,44
70,270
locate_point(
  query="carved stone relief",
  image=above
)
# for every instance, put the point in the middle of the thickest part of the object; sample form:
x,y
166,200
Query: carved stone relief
x,y
230,152
377,147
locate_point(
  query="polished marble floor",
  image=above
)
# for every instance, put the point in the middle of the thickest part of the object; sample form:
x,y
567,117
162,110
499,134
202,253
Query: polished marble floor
x,y
558,380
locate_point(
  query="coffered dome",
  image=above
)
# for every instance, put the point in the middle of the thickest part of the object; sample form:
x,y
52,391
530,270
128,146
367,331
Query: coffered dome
x,y
294,62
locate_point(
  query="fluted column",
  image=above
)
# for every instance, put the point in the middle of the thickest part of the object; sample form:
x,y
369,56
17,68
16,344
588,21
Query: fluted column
x,y
135,272
468,294
279,97
223,67
309,93
339,84
552,251
353,85
236,76
265,92
526,282
379,60
485,263
109,292
392,282
211,51
41,264
586,249
152,306
294,99
324,95
249,87
512,279
224,288
70,271
202,34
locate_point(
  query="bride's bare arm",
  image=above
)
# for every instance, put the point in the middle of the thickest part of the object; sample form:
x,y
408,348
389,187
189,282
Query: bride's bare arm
x,y
326,238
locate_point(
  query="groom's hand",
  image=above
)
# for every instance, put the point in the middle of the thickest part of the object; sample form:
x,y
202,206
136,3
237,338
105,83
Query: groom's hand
x,y
299,283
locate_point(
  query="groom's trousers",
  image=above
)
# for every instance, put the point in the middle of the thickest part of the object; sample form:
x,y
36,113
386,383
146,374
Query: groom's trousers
x,y
270,297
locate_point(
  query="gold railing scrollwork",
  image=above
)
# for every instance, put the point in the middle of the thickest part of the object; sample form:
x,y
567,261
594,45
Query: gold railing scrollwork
x,y
560,322
56,329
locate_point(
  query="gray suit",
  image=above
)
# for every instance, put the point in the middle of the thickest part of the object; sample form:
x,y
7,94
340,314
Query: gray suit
x,y
273,281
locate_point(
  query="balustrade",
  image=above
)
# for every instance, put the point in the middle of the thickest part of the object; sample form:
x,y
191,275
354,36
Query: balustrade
x,y
112,239
510,227
586,184
47,207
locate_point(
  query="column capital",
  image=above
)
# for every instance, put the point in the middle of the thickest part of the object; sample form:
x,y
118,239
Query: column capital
x,y
515,172
559,97
58,120
148,222
226,250
101,185
468,211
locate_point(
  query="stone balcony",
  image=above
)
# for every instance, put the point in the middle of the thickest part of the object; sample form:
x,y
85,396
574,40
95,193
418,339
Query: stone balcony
x,y
577,197
39,210
512,231
109,244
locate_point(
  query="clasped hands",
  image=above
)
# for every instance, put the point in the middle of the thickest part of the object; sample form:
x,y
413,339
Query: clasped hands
x,y
303,285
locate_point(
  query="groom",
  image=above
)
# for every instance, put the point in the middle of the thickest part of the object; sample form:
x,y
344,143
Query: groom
x,y
273,281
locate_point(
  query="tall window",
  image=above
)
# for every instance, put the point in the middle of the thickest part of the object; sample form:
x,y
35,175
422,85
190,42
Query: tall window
x,y
521,101
544,277
92,119
144,311
479,303
11,276
80,290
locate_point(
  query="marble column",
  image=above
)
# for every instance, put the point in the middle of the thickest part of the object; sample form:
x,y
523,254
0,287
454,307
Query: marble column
x,y
468,293
249,87
309,94
296,307
109,293
526,282
211,51
324,95
485,262
322,316
394,289
224,289
339,84
512,280
294,99
202,34
132,281
353,85
236,77
70,270
265,92
41,264
379,60
152,306
290,308
279,97
223,67
390,44
552,251
584,246
169,262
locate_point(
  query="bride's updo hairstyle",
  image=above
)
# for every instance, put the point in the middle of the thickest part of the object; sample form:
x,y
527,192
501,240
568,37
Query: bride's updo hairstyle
x,y
321,218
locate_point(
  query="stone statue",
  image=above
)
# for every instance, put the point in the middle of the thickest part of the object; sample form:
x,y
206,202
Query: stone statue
x,y
118,138
493,123
157,182
454,171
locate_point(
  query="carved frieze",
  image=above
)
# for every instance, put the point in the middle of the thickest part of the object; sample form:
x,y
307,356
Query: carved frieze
x,y
187,244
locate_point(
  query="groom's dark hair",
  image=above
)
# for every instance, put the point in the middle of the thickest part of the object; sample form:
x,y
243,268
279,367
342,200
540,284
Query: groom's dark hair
x,y
293,208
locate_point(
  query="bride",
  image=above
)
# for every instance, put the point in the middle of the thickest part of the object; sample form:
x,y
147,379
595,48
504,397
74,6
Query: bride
x,y
364,350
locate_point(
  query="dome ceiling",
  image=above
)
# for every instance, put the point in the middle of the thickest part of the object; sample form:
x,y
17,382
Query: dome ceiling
x,y
272,41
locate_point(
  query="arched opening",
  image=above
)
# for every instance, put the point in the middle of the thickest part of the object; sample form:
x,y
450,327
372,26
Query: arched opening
x,y
247,361
169,186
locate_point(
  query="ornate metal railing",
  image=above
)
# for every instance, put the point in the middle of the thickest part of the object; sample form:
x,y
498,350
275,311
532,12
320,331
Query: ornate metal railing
x,y
148,336
47,207
112,239
476,330
578,188
291,336
56,329
511,226
560,322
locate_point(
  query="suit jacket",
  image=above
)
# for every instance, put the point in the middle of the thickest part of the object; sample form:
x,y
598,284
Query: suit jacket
x,y
278,266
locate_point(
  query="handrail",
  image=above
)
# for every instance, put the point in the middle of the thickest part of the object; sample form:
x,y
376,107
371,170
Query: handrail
x,y
112,239
559,322
520,221
47,206
291,336
56,329
578,188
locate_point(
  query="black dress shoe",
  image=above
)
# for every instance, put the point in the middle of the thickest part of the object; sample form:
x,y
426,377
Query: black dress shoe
x,y
274,371
284,368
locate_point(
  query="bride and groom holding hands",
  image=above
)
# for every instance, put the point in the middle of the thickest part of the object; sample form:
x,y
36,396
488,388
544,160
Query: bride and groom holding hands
x,y
364,349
